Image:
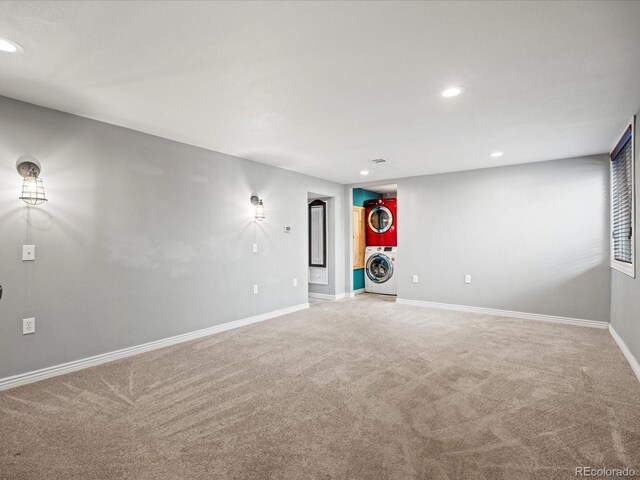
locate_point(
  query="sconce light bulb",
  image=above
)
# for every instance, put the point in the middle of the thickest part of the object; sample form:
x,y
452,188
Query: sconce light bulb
x,y
33,191
260,215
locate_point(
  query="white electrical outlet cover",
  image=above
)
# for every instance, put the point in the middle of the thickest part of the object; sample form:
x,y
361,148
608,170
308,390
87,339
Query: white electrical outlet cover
x,y
255,289
28,252
295,282
255,248
467,279
28,326
415,279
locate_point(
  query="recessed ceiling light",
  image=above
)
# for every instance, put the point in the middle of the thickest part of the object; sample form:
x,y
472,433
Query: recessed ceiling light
x,y
9,46
452,91
496,154
364,172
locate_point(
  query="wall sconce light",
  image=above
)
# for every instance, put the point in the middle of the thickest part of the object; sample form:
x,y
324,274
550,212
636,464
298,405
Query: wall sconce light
x,y
32,186
257,201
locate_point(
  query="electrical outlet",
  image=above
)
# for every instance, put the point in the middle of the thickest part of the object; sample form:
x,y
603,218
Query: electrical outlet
x,y
28,253
28,326
295,282
255,248
415,279
255,289
467,279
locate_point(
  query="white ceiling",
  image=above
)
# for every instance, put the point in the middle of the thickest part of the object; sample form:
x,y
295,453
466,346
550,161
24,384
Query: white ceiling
x,y
324,87
384,189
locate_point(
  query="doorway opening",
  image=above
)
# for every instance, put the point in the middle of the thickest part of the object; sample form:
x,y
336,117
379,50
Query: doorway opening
x,y
374,220
321,246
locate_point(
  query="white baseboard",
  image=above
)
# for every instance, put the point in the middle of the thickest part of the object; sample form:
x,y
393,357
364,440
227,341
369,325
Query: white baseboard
x,y
505,313
48,372
633,361
356,292
326,296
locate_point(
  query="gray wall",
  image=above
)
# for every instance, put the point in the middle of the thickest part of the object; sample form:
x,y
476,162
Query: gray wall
x,y
143,238
625,291
534,237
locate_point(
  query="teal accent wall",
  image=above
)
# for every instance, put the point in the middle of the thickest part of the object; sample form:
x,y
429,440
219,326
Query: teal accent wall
x,y
358,278
359,197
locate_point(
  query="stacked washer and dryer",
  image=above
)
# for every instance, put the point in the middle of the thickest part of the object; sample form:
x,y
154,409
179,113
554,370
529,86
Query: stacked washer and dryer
x,y
382,244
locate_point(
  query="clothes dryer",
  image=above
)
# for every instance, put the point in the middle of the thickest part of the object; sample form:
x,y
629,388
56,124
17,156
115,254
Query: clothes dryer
x,y
381,222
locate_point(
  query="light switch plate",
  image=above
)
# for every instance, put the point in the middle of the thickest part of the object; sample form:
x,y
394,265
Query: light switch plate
x,y
295,282
467,279
28,253
415,279
255,248
255,289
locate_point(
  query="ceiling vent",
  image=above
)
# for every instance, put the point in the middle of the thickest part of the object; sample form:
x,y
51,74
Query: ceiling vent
x,y
379,160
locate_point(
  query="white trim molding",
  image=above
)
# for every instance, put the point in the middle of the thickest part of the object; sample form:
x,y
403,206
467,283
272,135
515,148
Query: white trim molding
x,y
326,296
356,292
48,372
633,361
505,313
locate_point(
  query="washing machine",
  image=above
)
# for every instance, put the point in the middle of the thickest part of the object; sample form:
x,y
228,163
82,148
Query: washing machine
x,y
379,270
382,222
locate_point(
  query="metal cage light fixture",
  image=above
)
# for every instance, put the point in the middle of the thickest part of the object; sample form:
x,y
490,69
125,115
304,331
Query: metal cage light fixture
x,y
32,186
257,201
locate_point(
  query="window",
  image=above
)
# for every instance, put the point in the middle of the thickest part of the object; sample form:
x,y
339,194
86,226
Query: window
x,y
622,204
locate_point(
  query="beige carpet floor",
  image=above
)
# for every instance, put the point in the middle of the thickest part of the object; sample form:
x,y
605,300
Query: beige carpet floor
x,y
355,389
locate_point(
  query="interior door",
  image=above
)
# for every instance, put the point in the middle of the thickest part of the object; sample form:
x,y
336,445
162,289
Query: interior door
x,y
357,214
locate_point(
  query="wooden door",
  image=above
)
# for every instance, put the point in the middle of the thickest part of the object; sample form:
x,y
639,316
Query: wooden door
x,y
357,214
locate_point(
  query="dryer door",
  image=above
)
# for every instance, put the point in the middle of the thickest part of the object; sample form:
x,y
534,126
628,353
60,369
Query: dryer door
x,y
380,219
379,268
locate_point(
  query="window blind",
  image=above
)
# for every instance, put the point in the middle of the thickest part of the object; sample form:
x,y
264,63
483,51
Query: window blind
x,y
622,199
